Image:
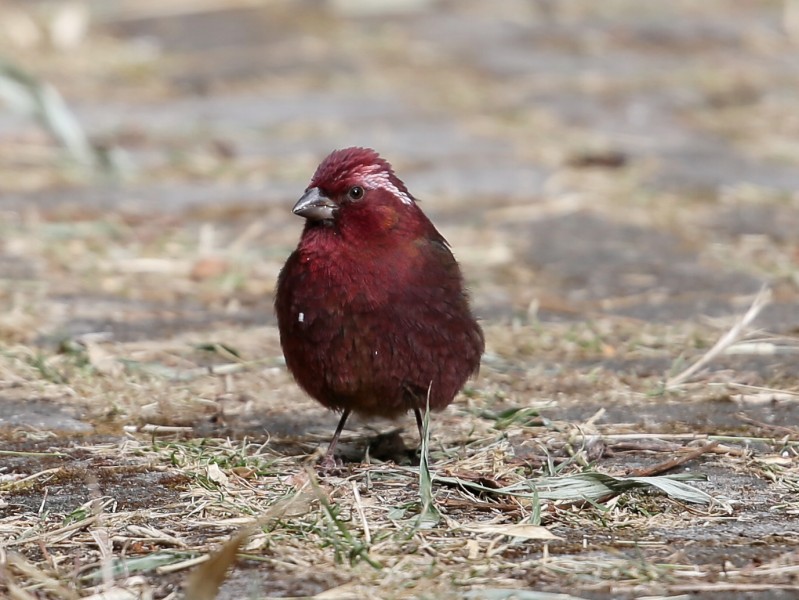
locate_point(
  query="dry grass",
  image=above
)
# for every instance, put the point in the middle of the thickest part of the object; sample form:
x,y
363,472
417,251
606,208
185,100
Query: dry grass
x,y
512,500
201,445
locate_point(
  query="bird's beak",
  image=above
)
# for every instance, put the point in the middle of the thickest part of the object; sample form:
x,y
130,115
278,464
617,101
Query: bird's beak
x,y
315,206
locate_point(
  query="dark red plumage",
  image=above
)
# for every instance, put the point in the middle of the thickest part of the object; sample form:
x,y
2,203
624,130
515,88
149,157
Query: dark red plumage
x,y
371,305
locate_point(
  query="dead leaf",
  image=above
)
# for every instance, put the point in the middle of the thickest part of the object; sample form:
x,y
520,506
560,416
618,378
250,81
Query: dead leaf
x,y
298,480
204,582
215,474
244,472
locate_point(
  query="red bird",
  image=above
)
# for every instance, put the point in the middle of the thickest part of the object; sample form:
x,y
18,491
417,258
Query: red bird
x,y
371,307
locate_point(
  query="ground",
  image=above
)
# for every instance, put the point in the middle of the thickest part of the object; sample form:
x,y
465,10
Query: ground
x,y
618,181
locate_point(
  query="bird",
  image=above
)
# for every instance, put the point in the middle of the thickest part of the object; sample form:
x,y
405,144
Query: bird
x,y
372,311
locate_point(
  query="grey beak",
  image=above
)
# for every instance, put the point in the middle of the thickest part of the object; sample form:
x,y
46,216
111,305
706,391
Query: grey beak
x,y
315,206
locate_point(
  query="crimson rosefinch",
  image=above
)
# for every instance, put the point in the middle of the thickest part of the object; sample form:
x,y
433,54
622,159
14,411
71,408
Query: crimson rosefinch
x,y
371,307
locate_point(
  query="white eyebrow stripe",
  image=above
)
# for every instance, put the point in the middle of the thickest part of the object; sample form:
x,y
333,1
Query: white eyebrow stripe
x,y
378,178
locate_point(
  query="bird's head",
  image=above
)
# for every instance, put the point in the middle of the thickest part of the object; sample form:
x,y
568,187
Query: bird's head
x,y
355,188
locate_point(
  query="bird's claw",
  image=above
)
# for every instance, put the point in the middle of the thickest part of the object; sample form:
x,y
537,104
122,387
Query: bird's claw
x,y
329,465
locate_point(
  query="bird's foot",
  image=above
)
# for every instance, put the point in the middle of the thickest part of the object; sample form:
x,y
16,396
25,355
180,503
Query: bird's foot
x,y
329,465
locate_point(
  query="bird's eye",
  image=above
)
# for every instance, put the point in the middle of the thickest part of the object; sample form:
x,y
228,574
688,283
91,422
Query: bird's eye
x,y
355,193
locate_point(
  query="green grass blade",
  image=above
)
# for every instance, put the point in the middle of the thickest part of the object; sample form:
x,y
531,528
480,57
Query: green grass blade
x,y
429,515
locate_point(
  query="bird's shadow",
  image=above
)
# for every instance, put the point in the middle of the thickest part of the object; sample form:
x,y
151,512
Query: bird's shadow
x,y
290,434
388,446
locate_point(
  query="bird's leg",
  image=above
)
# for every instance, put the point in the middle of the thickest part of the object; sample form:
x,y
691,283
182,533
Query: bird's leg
x,y
419,423
329,461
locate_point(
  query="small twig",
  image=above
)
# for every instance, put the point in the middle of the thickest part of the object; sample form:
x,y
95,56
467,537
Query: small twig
x,y
156,429
32,454
51,535
791,431
645,446
668,465
591,421
184,564
367,536
739,439
733,335
16,484
151,534
481,506
759,388
100,534
732,587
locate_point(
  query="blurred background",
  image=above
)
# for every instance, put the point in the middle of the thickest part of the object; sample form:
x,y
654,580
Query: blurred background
x,y
627,158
